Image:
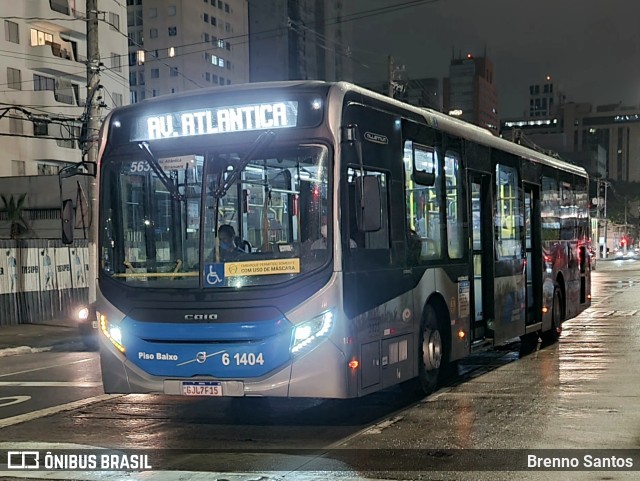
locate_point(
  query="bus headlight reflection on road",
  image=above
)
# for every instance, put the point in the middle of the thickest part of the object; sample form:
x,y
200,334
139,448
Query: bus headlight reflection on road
x,y
113,333
309,333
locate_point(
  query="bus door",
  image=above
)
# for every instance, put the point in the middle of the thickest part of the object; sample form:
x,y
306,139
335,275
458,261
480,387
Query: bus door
x,y
481,249
510,287
533,250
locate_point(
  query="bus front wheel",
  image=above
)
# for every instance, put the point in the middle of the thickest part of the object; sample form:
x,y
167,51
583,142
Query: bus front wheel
x,y
431,351
553,334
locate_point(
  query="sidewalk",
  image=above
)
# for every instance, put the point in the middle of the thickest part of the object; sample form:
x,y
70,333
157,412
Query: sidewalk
x,y
50,335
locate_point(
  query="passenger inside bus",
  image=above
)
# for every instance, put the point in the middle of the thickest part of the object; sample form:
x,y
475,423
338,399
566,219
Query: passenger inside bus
x,y
321,243
230,245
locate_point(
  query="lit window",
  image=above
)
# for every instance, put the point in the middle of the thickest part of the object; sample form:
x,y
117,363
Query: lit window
x,y
40,38
220,43
214,59
171,52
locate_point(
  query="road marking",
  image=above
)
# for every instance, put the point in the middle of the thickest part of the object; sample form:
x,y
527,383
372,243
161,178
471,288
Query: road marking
x,y
47,367
50,383
378,428
11,400
55,410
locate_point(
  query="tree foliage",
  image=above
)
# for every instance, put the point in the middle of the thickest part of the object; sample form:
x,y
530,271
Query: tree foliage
x,y
15,210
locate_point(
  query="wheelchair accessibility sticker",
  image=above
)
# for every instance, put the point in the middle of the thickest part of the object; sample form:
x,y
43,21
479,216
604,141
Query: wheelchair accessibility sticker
x,y
213,275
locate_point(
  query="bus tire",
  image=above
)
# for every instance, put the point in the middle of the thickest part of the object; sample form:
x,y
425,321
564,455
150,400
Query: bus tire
x,y
431,351
553,335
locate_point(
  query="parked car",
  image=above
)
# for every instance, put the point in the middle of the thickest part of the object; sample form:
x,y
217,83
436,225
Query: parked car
x,y
87,321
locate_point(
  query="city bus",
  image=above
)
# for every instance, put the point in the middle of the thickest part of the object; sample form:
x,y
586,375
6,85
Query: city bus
x,y
374,243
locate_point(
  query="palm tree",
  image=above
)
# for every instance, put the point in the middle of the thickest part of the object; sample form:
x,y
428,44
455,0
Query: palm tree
x,y
15,215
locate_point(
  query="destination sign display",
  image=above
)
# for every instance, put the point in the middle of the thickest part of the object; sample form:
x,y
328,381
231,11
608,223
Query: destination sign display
x,y
235,118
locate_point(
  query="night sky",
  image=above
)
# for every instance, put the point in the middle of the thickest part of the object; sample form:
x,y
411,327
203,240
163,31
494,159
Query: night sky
x,y
590,48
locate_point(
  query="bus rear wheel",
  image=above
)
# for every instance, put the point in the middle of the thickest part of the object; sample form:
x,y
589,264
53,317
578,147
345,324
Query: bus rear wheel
x,y
553,334
431,351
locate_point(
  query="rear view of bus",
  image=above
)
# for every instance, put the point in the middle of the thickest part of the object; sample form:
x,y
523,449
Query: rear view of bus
x,y
216,263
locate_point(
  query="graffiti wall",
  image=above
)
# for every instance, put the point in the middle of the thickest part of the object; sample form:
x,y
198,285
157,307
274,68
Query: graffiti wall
x,y
41,280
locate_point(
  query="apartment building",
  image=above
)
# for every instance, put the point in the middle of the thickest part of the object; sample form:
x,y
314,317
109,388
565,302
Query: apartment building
x,y
604,139
299,40
44,75
177,45
470,92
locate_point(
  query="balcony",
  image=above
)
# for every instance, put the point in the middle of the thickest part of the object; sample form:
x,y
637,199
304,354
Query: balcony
x,y
61,52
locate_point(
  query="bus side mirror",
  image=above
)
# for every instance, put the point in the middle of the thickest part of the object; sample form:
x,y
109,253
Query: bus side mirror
x,y
424,178
68,221
369,215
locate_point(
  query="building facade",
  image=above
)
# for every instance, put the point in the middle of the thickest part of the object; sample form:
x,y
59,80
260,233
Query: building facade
x,y
604,140
544,99
177,45
470,92
43,71
298,40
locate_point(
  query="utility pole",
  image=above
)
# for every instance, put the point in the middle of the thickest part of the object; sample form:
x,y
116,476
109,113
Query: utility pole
x,y
606,221
92,123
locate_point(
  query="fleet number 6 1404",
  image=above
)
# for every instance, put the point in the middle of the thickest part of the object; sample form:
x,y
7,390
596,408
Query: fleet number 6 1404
x,y
244,359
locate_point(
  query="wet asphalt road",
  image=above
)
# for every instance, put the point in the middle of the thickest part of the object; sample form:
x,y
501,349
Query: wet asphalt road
x,y
581,393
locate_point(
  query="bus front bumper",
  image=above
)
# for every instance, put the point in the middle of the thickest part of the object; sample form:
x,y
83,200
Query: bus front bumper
x,y
320,373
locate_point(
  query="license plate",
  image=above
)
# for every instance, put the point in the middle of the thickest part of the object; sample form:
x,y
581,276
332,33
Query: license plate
x,y
201,388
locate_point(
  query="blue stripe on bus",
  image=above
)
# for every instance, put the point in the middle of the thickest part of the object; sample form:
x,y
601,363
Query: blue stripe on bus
x,y
221,350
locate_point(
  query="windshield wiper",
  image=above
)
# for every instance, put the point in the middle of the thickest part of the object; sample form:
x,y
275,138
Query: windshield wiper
x,y
263,140
164,178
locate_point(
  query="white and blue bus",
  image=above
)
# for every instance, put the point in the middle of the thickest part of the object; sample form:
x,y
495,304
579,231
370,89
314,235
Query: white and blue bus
x,y
367,243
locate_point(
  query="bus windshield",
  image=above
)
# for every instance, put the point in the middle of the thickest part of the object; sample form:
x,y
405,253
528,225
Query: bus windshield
x,y
214,219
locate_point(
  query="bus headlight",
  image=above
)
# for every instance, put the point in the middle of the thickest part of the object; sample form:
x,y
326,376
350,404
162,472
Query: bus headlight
x,y
309,333
112,332
83,314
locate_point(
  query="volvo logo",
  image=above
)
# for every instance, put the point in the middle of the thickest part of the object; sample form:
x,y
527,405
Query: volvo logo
x,y
376,138
200,317
201,357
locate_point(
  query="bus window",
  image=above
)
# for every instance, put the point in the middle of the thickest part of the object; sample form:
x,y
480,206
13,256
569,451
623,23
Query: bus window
x,y
368,247
423,202
508,217
550,210
453,186
158,226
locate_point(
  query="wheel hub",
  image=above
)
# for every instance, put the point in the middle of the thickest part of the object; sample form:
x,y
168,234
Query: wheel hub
x,y
432,350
